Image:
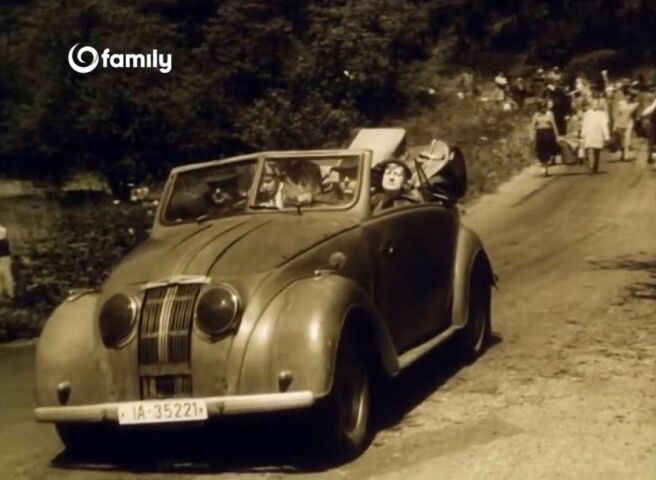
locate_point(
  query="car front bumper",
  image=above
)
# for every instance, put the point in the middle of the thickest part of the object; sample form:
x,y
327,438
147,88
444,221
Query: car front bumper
x,y
216,406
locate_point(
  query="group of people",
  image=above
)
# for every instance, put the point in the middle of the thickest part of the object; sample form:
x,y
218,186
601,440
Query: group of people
x,y
436,174
577,119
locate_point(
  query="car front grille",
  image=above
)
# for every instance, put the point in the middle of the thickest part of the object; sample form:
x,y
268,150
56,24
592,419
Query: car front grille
x,y
165,386
165,340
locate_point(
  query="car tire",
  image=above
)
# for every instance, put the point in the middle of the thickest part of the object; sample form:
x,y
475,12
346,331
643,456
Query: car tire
x,y
475,336
343,416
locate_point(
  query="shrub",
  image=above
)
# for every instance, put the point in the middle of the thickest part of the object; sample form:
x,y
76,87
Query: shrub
x,y
82,247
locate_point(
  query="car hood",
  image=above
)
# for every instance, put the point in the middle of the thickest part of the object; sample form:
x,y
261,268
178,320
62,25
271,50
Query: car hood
x,y
228,247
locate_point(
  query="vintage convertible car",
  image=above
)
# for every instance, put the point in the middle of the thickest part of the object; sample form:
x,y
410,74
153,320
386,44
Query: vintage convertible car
x,y
268,283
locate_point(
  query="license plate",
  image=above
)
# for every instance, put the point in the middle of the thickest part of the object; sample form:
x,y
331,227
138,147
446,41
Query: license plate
x,y
162,411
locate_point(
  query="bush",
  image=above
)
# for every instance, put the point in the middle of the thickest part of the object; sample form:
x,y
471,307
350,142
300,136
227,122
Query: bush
x,y
82,247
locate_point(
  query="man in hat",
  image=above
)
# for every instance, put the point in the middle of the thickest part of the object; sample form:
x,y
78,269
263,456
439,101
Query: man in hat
x,y
6,278
223,195
346,181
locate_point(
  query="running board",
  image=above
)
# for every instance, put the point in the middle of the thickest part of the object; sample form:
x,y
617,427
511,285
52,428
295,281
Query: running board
x,y
411,356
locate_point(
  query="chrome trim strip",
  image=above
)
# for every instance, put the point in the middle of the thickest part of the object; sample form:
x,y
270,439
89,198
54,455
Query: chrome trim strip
x,y
216,406
177,280
75,293
414,354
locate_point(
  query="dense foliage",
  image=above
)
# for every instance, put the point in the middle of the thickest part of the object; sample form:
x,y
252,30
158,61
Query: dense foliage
x,y
80,245
249,74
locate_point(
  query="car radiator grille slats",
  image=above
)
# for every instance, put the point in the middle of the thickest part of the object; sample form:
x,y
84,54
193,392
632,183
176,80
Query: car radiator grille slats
x,y
168,386
164,335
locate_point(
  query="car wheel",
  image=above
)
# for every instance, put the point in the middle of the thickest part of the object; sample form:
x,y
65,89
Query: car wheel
x,y
344,417
475,336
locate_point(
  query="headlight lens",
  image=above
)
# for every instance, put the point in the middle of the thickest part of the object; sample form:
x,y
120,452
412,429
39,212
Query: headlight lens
x,y
218,310
117,318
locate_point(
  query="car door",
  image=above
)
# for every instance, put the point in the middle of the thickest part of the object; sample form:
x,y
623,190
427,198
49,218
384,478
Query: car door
x,y
412,254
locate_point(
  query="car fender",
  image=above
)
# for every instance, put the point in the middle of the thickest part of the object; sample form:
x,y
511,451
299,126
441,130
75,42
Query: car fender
x,y
299,333
470,253
69,352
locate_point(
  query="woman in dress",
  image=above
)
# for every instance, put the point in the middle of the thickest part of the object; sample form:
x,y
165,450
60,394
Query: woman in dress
x,y
545,136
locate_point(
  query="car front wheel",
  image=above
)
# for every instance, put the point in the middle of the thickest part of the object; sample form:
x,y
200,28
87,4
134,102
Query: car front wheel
x,y
475,336
344,416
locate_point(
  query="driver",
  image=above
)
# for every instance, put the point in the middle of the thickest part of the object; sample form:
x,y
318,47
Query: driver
x,y
301,182
394,186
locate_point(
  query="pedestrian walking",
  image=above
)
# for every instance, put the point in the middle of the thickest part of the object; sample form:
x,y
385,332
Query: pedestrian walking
x,y
544,135
624,122
649,122
594,133
502,84
6,278
562,108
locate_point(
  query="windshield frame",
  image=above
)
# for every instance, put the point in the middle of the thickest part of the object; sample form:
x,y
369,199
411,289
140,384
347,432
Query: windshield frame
x,y
260,158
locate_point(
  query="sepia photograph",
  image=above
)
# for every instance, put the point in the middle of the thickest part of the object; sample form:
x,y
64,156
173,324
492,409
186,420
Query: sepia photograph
x,y
328,239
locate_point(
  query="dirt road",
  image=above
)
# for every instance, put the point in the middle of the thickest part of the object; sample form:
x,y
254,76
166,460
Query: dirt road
x,y
567,391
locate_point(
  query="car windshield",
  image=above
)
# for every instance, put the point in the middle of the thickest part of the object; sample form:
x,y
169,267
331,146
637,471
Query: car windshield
x,y
308,182
212,192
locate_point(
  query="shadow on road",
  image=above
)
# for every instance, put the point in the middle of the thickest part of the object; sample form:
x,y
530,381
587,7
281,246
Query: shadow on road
x,y
413,386
570,174
645,290
271,443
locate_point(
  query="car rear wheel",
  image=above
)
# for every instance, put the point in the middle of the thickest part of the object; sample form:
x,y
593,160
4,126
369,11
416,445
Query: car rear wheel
x,y
344,416
475,336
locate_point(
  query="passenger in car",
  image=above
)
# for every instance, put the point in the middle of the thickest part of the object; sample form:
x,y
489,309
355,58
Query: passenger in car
x,y
269,187
394,189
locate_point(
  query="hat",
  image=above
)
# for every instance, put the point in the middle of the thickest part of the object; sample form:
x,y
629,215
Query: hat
x,y
221,178
345,165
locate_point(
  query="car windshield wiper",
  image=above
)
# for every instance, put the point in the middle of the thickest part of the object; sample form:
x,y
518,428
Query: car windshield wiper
x,y
295,205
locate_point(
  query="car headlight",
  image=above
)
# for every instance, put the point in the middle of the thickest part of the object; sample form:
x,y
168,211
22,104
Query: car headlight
x,y
117,319
218,310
